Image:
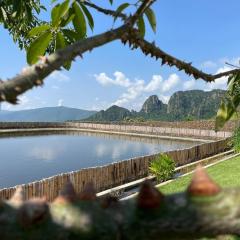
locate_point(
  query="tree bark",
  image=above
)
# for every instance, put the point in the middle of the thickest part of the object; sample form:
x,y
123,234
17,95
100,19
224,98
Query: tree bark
x,y
177,216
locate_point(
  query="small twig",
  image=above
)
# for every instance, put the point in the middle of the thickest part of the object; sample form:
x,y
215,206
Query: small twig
x,y
231,65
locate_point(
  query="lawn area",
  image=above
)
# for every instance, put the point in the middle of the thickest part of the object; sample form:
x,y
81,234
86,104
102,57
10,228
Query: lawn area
x,y
226,174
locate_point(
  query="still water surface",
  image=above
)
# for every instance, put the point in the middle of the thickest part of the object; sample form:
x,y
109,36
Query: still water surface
x,y
32,157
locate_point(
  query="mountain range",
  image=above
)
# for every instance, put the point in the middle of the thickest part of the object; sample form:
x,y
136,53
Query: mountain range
x,y
182,105
47,114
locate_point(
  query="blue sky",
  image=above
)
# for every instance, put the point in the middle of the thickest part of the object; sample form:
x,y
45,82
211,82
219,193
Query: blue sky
x,y
203,32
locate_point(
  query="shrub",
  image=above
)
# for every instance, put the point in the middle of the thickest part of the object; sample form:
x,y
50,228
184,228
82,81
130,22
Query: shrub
x,y
236,140
162,167
189,118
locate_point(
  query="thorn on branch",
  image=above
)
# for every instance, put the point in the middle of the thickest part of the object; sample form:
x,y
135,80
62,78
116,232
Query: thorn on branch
x,y
39,82
163,61
202,184
39,68
18,89
88,193
3,97
18,197
149,197
44,59
67,195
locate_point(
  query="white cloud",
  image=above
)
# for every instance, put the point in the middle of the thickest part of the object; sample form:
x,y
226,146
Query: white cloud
x,y
133,92
60,102
59,76
171,82
45,153
119,80
24,103
220,83
188,85
103,79
154,84
137,89
164,98
23,100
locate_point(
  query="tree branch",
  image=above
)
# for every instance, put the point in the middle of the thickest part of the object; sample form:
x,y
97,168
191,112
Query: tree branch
x,y
142,8
106,11
34,75
154,51
146,47
203,210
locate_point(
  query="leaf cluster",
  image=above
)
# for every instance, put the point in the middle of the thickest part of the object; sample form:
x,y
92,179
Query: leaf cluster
x,y
69,20
162,167
149,14
230,104
20,16
68,24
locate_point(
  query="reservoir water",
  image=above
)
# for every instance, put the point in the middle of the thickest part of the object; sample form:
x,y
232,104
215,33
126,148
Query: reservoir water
x,y
27,157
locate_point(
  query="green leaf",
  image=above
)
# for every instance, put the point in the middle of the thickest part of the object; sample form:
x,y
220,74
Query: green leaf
x,y
4,14
58,12
88,15
111,2
230,106
59,44
120,9
225,112
43,8
17,5
79,22
67,20
60,41
151,18
70,35
141,26
38,47
55,14
221,116
37,30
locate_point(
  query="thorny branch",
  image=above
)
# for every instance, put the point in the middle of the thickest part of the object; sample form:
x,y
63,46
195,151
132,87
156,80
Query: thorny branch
x,y
203,210
154,51
34,75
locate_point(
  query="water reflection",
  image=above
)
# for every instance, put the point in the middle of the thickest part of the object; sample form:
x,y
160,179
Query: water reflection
x,y
26,157
45,153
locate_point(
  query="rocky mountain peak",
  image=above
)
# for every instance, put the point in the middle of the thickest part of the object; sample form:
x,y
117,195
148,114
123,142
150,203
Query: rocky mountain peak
x,y
153,105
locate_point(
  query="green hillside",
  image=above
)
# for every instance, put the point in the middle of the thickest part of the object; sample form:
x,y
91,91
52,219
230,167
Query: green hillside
x,y
48,114
183,105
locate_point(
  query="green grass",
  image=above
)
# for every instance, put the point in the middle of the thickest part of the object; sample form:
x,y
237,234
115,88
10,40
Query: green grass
x,y
226,174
